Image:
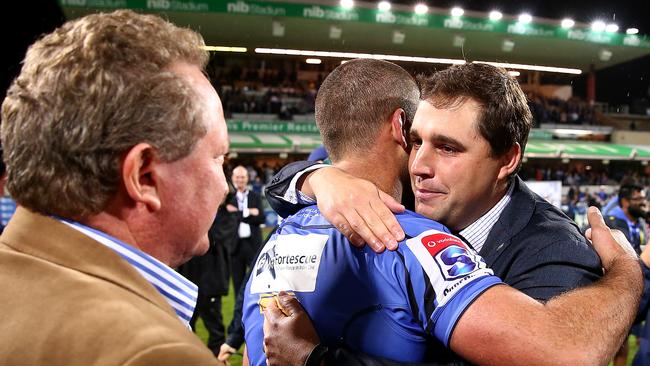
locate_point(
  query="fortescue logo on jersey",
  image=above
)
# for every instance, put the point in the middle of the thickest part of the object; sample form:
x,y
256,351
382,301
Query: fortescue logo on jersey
x,y
269,259
450,254
288,262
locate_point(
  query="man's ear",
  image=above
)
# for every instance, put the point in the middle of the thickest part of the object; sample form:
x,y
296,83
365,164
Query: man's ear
x,y
397,120
510,161
140,176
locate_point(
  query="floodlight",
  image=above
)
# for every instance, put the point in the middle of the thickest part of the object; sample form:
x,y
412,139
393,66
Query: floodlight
x,y
598,26
495,15
383,6
568,23
525,18
421,9
347,4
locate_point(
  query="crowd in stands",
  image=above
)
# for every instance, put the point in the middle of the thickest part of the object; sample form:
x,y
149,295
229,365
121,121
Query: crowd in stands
x,y
276,91
581,175
553,110
264,91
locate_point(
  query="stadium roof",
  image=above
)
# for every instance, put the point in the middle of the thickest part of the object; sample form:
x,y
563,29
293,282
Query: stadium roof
x,y
326,26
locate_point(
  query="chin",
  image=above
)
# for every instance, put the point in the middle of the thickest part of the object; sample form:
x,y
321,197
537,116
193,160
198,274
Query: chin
x,y
201,248
198,250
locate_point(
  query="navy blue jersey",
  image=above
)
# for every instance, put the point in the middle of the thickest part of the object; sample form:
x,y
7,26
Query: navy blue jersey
x,y
393,304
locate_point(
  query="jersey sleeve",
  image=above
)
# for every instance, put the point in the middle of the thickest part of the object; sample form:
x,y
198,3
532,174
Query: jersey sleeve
x,y
445,277
282,194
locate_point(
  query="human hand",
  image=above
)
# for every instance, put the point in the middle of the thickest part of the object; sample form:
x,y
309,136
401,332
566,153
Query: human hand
x,y
225,352
231,208
357,208
611,245
289,336
253,211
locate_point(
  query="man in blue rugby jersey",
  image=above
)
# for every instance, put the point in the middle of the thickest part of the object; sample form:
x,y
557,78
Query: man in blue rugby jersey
x,y
434,290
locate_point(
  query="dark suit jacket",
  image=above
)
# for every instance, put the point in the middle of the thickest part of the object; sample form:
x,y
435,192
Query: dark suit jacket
x,y
254,201
537,249
69,300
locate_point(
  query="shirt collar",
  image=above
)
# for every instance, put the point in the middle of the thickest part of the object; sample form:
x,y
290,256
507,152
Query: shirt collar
x,y
179,292
477,232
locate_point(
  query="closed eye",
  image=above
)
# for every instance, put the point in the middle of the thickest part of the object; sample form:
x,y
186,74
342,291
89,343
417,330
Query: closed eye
x,y
447,149
415,141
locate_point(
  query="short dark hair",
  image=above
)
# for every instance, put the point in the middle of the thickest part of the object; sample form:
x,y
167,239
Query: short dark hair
x,y
505,118
357,98
626,190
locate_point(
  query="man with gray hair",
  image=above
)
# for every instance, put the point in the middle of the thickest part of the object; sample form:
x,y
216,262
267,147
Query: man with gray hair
x,y
114,142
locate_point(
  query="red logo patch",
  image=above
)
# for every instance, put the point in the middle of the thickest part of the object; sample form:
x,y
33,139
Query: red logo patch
x,y
435,243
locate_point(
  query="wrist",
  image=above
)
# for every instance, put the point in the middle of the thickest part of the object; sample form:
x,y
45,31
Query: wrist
x,y
305,182
317,355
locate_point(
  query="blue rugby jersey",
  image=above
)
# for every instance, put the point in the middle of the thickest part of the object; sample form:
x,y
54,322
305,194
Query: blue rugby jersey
x,y
392,304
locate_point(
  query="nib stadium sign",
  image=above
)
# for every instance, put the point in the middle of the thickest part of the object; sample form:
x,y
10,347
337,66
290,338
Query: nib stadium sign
x,y
370,15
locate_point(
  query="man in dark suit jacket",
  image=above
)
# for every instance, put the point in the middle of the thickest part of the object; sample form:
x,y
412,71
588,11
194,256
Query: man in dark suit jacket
x,y
247,205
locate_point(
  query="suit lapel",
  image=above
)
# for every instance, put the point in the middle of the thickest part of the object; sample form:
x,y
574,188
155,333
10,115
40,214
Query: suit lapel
x,y
513,219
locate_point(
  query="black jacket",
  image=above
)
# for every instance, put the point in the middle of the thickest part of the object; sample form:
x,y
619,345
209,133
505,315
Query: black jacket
x,y
537,249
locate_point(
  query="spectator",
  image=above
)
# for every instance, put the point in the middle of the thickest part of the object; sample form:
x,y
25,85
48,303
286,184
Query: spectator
x,y
247,205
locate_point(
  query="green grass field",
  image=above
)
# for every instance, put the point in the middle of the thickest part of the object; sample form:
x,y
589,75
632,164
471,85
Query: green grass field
x,y
227,304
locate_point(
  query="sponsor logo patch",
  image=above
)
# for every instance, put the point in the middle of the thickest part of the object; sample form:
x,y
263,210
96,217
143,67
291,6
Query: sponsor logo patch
x,y
448,261
288,263
451,255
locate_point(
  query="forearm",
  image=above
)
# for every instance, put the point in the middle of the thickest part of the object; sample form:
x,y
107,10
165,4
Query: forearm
x,y
596,332
585,326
